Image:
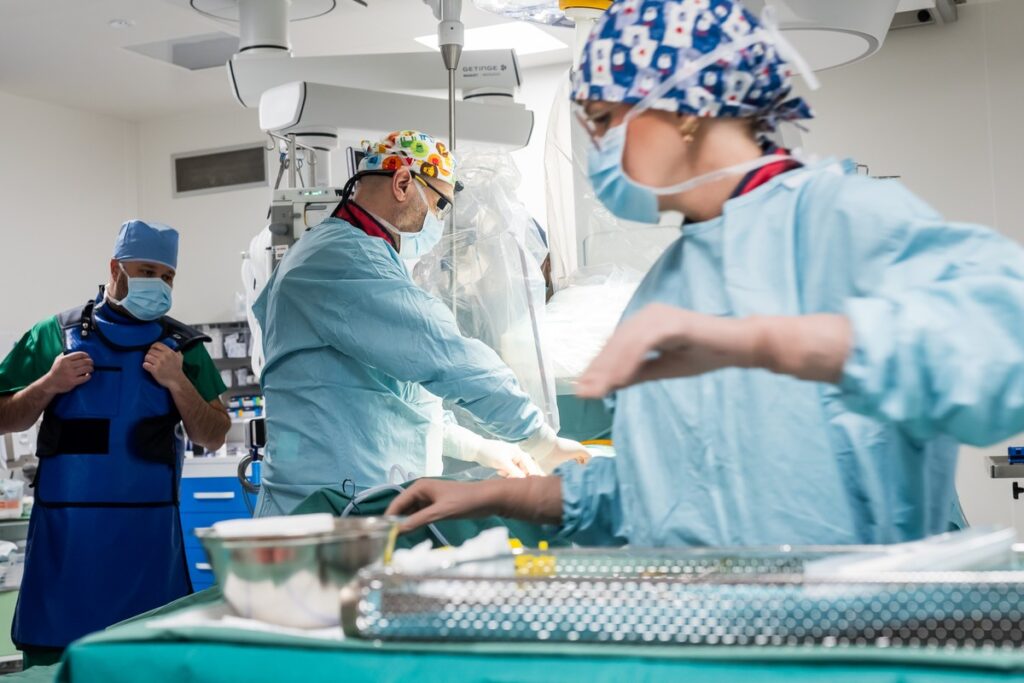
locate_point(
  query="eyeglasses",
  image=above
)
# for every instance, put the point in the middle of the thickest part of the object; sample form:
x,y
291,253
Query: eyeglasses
x,y
594,125
444,204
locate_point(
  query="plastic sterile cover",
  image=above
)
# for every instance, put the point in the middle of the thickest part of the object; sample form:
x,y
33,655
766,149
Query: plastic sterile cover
x,y
582,315
499,290
582,232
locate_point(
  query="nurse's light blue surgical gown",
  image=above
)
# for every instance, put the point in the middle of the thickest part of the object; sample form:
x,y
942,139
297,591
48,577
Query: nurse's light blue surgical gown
x,y
352,348
747,457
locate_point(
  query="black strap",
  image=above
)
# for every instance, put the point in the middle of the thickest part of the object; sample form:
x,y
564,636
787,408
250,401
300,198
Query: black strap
x,y
72,318
183,336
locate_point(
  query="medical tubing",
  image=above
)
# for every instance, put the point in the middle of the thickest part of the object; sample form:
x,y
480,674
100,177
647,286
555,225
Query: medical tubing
x,y
542,368
247,486
243,465
248,504
360,497
402,477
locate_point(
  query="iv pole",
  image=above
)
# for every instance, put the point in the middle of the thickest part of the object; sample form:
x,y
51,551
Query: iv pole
x,y
450,39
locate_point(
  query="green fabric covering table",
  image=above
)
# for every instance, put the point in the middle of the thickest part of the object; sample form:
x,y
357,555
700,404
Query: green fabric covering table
x,y
137,651
143,649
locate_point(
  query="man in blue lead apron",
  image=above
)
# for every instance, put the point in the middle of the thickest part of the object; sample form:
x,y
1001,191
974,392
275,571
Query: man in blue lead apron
x,y
112,379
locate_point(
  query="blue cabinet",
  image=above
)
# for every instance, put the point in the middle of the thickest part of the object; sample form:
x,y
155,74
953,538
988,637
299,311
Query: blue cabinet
x,y
210,493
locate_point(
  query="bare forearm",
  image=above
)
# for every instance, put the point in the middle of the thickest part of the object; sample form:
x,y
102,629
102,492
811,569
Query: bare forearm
x,y
532,499
20,411
206,425
811,347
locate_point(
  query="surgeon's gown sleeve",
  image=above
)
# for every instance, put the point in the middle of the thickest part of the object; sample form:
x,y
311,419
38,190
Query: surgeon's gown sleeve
x,y
385,321
592,503
937,345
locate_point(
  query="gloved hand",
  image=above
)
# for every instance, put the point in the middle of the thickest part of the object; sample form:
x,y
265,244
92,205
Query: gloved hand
x,y
550,451
506,458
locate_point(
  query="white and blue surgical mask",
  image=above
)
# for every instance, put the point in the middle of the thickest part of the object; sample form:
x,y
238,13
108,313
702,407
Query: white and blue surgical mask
x,y
634,201
148,298
622,197
416,244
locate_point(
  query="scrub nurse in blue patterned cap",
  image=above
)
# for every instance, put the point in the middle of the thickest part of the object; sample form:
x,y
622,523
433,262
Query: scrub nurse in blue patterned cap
x,y
801,365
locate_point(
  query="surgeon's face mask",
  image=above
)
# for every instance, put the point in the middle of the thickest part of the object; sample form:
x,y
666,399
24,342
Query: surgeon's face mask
x,y
148,298
416,244
632,200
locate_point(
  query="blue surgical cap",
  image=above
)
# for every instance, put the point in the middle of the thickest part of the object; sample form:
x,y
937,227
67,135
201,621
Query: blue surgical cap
x,y
142,241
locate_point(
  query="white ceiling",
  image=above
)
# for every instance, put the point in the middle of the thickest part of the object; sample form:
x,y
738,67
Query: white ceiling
x,y
65,51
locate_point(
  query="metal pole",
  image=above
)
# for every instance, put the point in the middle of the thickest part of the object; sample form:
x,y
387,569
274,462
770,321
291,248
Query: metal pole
x,y
291,160
451,219
312,168
451,108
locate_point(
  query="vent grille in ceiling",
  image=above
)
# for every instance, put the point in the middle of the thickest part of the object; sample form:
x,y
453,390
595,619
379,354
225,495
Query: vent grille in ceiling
x,y
192,52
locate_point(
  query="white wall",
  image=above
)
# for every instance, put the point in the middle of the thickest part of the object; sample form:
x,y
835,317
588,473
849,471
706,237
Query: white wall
x,y
67,182
941,107
215,228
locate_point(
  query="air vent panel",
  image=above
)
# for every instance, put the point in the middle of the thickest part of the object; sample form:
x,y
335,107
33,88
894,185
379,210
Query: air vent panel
x,y
194,53
219,170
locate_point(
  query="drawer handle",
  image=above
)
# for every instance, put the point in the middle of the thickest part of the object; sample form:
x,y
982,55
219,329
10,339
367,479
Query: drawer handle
x,y
214,495
203,566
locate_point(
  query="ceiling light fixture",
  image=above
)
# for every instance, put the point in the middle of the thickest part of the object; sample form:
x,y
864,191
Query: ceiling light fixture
x,y
524,38
120,23
538,11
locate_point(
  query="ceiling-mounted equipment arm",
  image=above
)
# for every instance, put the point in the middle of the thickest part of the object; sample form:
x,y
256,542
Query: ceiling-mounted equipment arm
x,y
356,114
451,33
491,71
451,37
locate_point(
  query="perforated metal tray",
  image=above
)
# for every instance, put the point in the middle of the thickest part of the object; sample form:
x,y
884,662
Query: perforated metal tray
x,y
702,597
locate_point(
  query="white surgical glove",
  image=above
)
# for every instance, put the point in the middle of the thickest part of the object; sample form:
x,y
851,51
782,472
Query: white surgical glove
x,y
550,451
506,458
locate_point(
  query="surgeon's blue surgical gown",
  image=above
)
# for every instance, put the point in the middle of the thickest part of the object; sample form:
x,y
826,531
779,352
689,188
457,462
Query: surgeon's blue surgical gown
x,y
747,457
352,349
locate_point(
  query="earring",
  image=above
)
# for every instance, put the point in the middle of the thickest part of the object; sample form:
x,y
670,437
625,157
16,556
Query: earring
x,y
689,129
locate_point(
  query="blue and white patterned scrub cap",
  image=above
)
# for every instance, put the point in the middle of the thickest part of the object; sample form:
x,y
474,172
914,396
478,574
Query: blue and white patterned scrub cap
x,y
639,46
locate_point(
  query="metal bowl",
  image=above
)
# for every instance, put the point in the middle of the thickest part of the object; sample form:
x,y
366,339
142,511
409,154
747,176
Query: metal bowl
x,y
296,581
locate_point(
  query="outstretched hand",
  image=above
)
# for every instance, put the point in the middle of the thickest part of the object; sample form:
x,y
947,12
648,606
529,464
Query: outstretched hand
x,y
663,341
533,499
430,500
